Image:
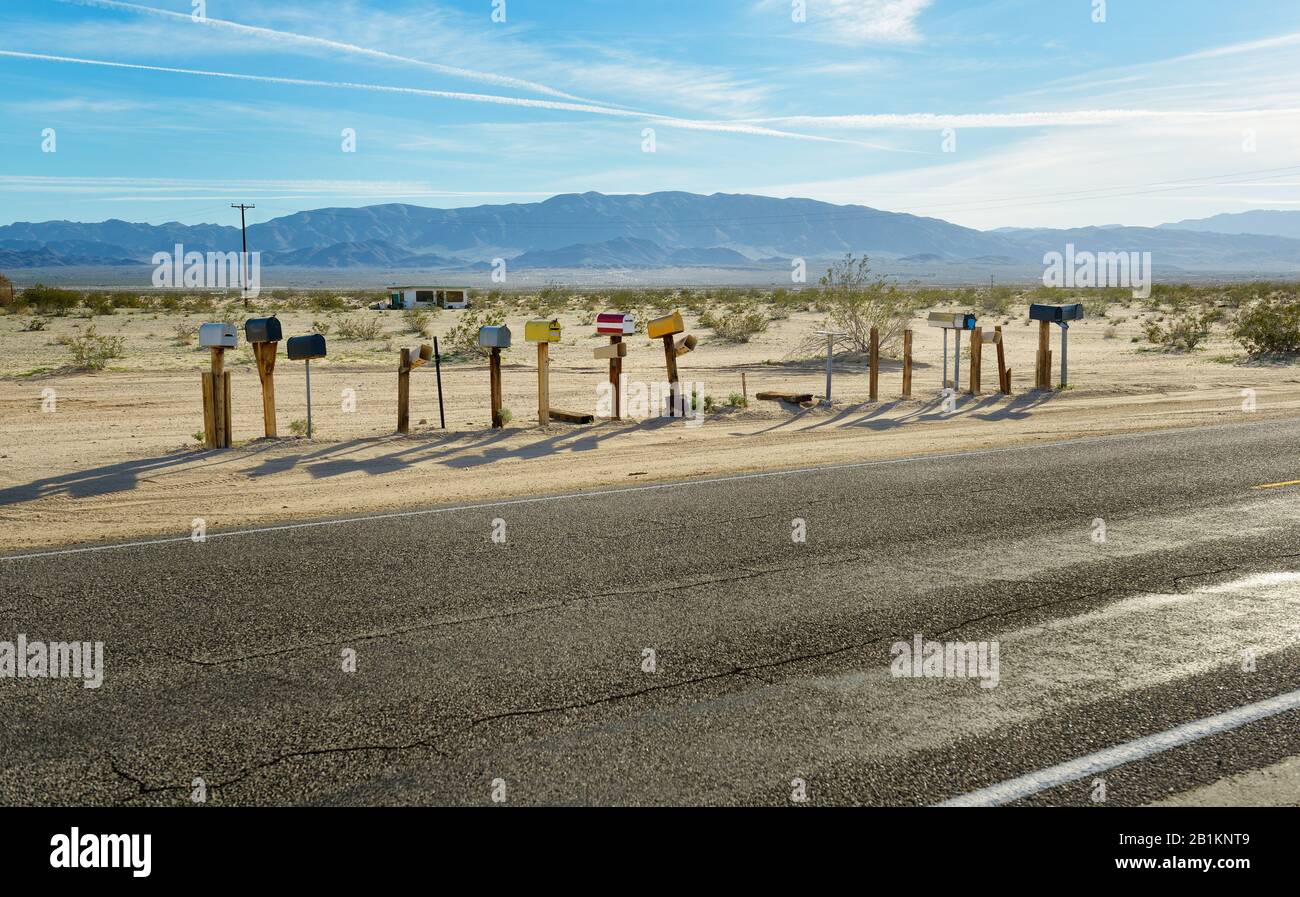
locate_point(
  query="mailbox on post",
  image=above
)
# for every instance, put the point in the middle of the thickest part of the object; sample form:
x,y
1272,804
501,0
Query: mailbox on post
x,y
666,328
305,348
263,330
615,325
217,336
543,333
264,334
1060,315
494,337
956,322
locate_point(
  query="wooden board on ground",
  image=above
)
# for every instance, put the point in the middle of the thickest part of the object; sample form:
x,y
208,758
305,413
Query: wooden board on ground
x,y
796,398
572,417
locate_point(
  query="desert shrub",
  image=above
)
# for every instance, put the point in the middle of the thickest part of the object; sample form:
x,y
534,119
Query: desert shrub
x,y
996,300
736,324
1268,327
737,400
321,327
126,300
184,333
299,427
359,328
99,304
327,302
50,300
856,303
6,291
92,352
1184,333
417,322
33,325
462,339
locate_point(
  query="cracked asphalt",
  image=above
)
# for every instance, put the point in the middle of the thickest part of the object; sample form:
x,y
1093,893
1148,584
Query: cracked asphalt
x,y
519,668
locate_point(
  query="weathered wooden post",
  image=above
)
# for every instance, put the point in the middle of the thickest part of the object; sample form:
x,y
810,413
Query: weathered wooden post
x,y
666,328
875,364
1042,371
410,360
264,334
616,325
976,359
495,339
216,384
1061,315
543,333
304,349
907,363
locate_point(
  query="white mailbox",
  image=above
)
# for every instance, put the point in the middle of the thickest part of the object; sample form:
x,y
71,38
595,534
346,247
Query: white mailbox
x,y
217,336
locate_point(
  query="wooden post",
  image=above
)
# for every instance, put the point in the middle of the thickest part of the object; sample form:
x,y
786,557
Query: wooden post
x,y
495,366
1004,376
264,357
744,387
907,364
616,378
209,411
216,402
225,404
976,357
875,364
544,384
404,393
675,387
1043,371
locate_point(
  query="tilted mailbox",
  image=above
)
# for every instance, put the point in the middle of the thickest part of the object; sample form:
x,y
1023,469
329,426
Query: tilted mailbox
x,y
666,328
263,330
305,348
494,337
217,336
1060,315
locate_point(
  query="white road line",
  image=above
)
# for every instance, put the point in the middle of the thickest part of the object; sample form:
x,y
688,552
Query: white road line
x,y
1034,782
424,512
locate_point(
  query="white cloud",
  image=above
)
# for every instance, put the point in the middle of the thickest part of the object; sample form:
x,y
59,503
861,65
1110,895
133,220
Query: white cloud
x,y
861,21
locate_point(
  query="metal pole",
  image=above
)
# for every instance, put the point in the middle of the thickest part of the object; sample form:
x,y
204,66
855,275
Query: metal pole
x,y
956,362
437,368
308,363
1065,353
944,383
830,348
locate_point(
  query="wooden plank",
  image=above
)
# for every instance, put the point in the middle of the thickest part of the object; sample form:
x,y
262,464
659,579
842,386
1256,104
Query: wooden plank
x,y
544,383
875,364
907,364
976,360
612,351
404,393
572,417
209,412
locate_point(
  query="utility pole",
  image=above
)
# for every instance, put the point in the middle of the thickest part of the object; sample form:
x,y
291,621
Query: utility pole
x,y
243,259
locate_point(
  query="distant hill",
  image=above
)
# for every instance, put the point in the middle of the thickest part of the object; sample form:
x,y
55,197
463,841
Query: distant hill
x,y
670,229
1266,222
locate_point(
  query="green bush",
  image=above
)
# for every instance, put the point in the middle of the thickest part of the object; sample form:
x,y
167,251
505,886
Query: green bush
x,y
358,328
92,352
735,324
462,339
50,300
1269,327
1184,332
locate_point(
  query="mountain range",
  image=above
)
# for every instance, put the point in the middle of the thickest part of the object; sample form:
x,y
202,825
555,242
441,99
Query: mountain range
x,y
657,230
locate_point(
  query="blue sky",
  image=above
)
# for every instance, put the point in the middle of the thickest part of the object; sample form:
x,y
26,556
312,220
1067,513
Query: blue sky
x,y
1006,112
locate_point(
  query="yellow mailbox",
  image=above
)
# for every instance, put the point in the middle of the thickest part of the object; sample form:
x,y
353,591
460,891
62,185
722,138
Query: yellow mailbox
x,y
542,331
665,326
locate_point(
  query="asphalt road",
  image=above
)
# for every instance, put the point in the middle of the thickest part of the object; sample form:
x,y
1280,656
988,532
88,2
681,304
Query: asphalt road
x,y
518,669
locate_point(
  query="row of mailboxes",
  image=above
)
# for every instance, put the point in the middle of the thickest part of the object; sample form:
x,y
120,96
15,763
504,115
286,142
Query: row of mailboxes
x,y
1056,314
261,330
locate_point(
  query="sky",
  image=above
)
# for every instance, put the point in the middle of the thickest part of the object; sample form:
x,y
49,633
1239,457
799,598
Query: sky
x,y
1053,113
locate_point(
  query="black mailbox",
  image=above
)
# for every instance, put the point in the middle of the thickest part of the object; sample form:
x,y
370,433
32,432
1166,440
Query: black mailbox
x,y
1056,313
263,330
305,348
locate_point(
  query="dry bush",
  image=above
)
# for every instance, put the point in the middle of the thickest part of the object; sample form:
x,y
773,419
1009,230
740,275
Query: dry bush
x,y
856,303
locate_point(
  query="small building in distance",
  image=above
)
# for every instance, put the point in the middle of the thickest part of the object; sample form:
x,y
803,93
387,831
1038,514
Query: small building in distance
x,y
414,297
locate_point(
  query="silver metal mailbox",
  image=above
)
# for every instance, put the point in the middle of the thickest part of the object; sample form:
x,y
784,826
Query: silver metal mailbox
x,y
951,320
217,336
494,337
